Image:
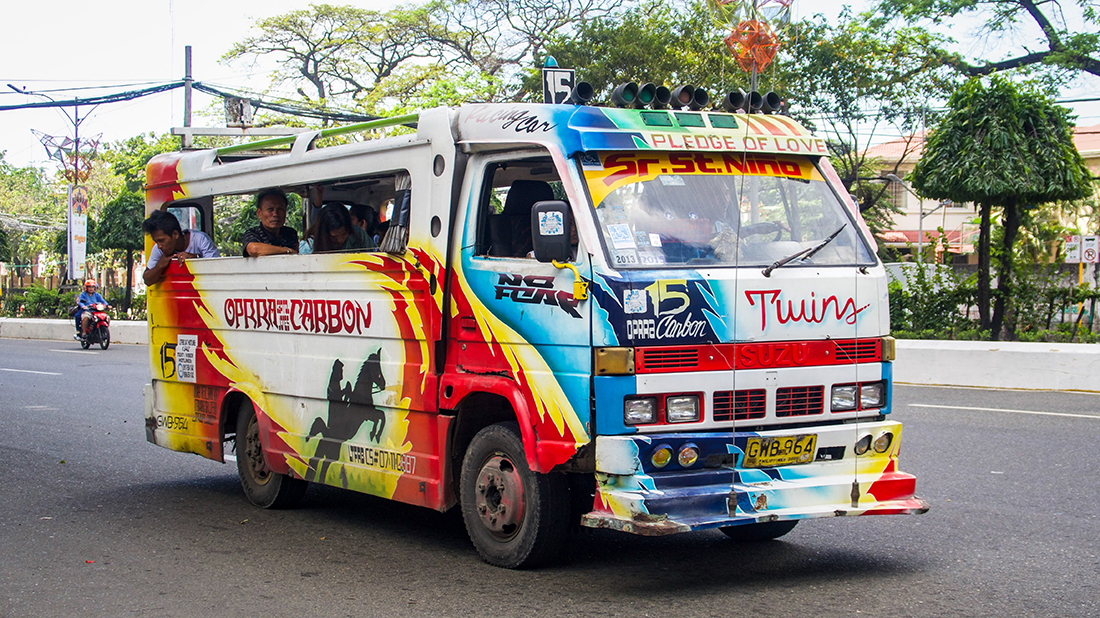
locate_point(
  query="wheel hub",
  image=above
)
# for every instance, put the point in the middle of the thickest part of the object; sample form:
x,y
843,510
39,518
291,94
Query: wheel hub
x,y
254,454
499,497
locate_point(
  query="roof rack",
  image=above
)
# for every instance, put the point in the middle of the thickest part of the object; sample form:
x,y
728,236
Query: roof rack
x,y
408,119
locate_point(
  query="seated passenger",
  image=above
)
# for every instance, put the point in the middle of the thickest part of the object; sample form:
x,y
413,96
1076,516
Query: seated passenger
x,y
270,237
333,231
172,243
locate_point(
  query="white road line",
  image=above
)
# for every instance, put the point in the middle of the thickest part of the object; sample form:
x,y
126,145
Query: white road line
x,y
75,351
42,373
1036,412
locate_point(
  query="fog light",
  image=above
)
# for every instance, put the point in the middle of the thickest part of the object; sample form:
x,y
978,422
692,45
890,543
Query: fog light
x,y
640,411
882,443
682,408
688,455
661,456
872,395
844,397
863,445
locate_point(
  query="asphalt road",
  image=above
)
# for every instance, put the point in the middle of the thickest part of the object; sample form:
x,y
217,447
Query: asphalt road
x,y
94,521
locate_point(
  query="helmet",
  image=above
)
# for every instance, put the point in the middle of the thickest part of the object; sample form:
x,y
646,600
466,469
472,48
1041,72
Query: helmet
x,y
90,283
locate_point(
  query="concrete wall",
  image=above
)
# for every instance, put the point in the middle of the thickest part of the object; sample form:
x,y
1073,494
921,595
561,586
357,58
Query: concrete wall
x,y
122,331
997,364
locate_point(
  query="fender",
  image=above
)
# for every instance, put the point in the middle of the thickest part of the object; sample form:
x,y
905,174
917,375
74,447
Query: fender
x,y
543,452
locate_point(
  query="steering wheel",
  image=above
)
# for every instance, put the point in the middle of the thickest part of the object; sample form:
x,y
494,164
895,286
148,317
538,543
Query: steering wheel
x,y
766,227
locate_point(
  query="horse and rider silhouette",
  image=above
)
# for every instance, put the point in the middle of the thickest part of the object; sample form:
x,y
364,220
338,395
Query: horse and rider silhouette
x,y
349,408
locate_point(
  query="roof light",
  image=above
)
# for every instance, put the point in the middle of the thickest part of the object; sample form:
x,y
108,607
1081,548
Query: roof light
x,y
582,93
682,96
771,103
625,94
735,101
661,98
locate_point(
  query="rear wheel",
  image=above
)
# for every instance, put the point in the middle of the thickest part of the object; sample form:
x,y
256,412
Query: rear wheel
x,y
104,337
263,487
516,518
755,533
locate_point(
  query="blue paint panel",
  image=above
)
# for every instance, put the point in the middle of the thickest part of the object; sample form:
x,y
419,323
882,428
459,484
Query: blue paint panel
x,y
610,392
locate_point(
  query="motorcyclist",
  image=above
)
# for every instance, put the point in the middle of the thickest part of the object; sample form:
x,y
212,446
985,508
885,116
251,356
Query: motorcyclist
x,y
86,303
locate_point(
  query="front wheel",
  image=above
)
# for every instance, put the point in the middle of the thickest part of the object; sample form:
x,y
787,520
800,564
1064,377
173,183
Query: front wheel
x,y
516,518
104,337
755,533
263,487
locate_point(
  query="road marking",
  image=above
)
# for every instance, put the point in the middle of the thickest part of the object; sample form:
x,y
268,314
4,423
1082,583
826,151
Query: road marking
x,y
43,373
1036,412
75,351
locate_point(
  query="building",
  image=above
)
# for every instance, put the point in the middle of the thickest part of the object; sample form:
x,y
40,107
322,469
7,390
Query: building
x,y
922,219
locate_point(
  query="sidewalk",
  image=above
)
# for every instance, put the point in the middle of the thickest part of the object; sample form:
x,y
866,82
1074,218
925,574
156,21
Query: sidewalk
x,y
989,364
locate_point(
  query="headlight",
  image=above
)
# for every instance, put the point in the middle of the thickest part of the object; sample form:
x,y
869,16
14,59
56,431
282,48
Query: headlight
x,y
661,456
640,411
688,455
863,445
872,395
682,408
882,443
844,397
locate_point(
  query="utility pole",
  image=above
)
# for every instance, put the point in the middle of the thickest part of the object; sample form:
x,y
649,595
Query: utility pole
x,y
186,137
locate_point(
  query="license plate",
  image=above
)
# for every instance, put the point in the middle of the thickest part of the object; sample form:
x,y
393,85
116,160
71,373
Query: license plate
x,y
775,452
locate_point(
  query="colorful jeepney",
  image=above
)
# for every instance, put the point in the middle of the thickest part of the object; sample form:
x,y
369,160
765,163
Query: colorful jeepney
x,y
648,320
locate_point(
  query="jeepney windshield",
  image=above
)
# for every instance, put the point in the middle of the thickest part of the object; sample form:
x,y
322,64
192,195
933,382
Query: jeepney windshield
x,y
661,209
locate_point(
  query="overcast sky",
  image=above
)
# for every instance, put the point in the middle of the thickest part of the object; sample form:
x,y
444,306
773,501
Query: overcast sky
x,y
52,45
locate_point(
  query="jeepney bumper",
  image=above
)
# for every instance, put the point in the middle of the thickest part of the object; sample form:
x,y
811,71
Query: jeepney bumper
x,y
717,490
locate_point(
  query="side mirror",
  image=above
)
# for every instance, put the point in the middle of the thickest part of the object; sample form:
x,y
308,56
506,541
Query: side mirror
x,y
551,230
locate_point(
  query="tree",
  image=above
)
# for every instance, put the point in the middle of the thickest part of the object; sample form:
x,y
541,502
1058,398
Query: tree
x,y
1070,39
1001,146
120,228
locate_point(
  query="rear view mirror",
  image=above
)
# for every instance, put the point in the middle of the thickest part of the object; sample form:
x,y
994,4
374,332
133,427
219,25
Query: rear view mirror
x,y
551,231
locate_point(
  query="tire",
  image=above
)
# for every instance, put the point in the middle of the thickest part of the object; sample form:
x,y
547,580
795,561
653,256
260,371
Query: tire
x,y
516,518
104,337
263,487
756,533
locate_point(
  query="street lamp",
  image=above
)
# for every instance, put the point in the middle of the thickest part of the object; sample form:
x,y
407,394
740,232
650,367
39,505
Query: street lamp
x,y
920,219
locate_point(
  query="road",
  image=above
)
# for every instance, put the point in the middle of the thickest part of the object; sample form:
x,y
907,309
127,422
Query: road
x,y
94,521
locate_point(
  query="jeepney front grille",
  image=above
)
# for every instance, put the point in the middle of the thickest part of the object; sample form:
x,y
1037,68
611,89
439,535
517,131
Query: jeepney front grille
x,y
740,405
859,350
799,401
667,358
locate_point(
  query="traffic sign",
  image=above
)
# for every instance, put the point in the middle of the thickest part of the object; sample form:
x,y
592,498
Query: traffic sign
x,y
1073,249
1090,253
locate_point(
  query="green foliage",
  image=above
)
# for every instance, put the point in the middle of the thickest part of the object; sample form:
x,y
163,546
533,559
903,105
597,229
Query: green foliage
x,y
120,223
929,298
39,302
1002,143
1067,41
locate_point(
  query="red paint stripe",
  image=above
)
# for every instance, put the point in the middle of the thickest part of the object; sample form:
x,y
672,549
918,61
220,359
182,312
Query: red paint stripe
x,y
773,354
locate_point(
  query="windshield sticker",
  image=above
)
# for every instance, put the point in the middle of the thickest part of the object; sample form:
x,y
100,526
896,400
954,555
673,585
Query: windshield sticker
x,y
651,258
624,258
621,236
623,168
634,301
551,224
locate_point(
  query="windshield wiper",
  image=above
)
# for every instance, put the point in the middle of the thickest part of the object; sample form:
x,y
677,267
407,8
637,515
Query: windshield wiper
x,y
805,254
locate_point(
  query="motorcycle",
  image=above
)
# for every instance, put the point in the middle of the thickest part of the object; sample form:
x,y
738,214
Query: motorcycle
x,y
99,328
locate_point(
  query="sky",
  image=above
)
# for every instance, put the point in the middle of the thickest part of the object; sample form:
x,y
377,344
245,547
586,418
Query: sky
x,y
52,45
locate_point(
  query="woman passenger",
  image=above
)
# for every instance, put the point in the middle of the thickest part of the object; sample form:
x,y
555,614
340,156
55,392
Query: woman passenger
x,y
333,231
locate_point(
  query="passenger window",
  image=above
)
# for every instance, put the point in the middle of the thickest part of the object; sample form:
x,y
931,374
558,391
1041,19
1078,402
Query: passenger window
x,y
509,191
